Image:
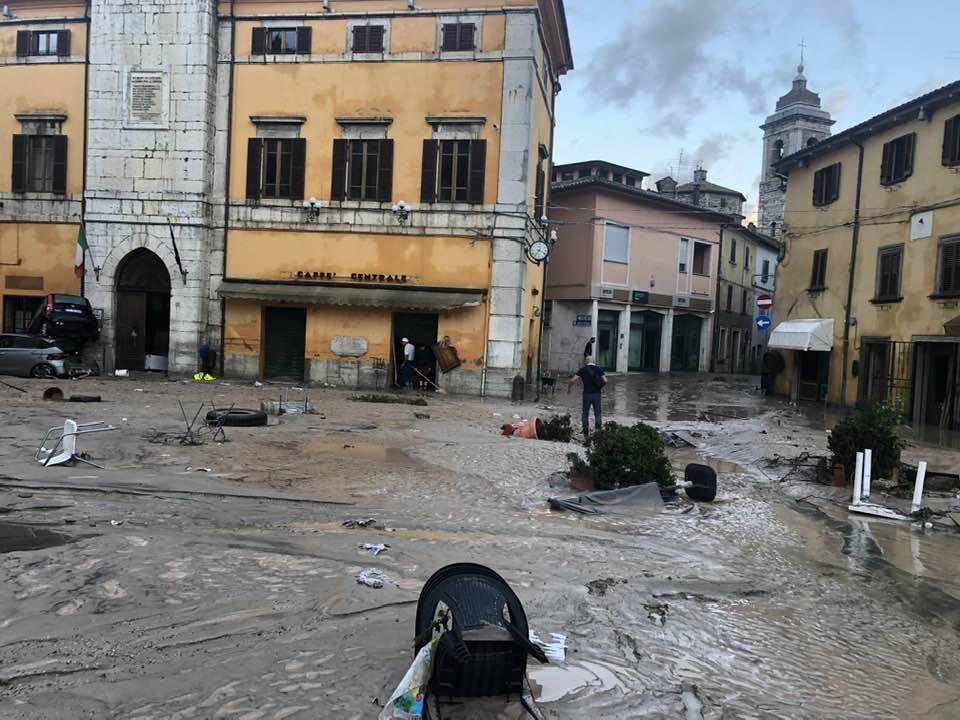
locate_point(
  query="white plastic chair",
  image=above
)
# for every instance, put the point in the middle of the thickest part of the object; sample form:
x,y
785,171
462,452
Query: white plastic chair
x,y
67,443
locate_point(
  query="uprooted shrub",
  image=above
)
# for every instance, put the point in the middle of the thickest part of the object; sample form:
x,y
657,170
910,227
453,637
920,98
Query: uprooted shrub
x,y
622,455
873,427
557,429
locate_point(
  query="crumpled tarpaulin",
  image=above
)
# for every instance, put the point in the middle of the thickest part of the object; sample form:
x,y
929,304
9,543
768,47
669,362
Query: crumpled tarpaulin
x,y
629,500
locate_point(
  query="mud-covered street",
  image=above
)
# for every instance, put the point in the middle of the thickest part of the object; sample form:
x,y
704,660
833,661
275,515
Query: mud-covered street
x,y
219,580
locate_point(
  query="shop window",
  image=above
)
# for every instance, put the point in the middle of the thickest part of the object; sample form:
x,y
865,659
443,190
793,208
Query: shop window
x,y
362,170
458,37
39,43
889,261
453,171
951,141
818,275
897,163
368,38
826,185
281,41
275,168
39,164
949,267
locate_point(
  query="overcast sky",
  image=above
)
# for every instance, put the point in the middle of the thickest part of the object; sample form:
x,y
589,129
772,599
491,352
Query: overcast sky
x,y
654,77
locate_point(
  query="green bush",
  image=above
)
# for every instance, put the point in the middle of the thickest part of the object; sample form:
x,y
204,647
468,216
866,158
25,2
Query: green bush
x,y
619,455
873,427
557,429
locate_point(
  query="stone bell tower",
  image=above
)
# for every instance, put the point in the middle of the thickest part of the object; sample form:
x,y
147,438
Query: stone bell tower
x,y
797,122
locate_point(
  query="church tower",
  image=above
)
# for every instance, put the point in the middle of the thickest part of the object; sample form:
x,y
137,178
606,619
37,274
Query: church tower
x,y
798,122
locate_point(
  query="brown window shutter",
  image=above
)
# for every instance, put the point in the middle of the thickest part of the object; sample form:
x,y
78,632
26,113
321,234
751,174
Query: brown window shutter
x,y
885,164
299,169
908,151
60,164
948,261
467,37
945,153
538,197
19,177
375,38
428,174
254,158
450,37
63,43
338,181
361,38
385,172
304,38
258,44
23,43
478,166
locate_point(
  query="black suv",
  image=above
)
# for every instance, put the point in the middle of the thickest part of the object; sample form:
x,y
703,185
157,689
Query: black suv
x,y
67,317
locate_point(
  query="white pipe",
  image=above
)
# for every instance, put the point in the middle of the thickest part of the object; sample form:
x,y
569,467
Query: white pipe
x,y
867,470
858,479
918,486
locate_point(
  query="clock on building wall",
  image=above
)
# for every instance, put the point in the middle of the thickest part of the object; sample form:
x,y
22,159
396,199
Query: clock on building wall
x,y
538,251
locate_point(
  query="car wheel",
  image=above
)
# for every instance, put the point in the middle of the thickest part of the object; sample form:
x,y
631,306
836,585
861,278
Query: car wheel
x,y
42,371
237,417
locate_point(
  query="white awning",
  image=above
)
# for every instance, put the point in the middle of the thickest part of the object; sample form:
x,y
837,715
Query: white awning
x,y
803,335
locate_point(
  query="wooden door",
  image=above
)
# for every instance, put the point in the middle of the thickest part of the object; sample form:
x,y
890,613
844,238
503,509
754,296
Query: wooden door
x,y
130,334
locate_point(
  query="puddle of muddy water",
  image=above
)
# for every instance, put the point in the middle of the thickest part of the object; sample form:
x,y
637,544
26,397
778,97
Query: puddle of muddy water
x,y
369,452
17,537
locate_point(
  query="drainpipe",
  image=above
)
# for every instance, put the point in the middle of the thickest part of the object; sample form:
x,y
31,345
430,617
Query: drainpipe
x,y
716,302
546,263
854,240
86,138
226,184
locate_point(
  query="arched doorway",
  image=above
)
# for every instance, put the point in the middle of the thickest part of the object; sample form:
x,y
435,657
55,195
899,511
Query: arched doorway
x,y
143,311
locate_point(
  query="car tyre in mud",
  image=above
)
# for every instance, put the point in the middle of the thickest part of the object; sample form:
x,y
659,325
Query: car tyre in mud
x,y
237,417
42,371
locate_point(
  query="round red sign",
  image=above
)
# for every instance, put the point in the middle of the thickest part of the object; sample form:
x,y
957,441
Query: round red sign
x,y
764,301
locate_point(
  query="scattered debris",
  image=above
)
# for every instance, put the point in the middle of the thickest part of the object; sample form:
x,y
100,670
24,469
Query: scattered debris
x,y
53,394
644,497
257,383
116,523
236,417
121,373
421,416
371,577
675,440
601,585
556,649
84,399
373,549
14,387
368,523
657,612
199,469
389,399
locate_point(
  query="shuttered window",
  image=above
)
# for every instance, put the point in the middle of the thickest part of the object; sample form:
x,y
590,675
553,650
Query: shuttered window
x,y
458,36
39,43
368,38
276,168
733,251
949,267
951,141
281,41
39,164
729,298
539,199
765,274
362,170
743,302
453,171
897,162
889,261
826,185
818,276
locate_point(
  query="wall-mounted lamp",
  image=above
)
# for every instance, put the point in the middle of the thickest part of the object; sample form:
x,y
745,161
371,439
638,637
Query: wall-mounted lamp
x,y
410,5
312,207
922,114
544,220
553,237
653,282
401,211
326,5
7,12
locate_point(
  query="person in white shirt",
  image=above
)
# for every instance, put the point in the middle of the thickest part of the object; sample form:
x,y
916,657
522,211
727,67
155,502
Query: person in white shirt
x,y
409,352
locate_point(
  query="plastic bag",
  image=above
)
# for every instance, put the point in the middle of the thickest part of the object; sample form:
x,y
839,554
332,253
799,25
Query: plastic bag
x,y
407,700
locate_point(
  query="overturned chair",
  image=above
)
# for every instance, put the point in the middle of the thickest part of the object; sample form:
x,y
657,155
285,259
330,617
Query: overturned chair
x,y
64,449
482,651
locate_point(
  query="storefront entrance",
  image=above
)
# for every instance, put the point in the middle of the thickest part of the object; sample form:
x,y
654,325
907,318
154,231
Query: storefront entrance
x,y
814,374
421,330
284,343
685,353
143,311
608,335
645,330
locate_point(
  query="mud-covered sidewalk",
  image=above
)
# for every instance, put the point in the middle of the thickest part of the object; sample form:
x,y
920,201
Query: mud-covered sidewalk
x,y
219,580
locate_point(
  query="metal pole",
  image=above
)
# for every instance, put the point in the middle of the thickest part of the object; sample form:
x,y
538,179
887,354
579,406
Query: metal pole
x,y
918,486
854,240
867,471
858,479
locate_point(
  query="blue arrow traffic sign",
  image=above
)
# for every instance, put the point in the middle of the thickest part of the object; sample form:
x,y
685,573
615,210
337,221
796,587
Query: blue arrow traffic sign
x,y
763,322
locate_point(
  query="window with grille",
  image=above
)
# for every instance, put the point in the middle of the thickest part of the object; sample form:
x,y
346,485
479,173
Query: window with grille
x,y
897,162
39,163
453,171
889,261
458,37
951,141
818,276
362,170
276,168
826,185
949,267
368,38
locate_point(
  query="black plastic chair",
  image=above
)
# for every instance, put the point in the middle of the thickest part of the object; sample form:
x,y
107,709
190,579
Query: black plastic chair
x,y
484,651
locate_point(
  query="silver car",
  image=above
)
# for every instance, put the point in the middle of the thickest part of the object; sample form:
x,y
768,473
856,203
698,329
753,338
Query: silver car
x,y
31,356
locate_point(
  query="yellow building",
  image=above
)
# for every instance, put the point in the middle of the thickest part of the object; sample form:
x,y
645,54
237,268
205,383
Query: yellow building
x,y
868,292
300,184
42,60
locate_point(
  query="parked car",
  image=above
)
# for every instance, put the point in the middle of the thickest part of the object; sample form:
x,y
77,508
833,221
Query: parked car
x,y
32,356
65,317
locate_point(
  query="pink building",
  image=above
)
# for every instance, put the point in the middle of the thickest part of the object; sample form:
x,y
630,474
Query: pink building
x,y
633,268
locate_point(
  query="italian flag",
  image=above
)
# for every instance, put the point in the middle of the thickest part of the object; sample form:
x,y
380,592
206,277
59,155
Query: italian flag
x,y
82,248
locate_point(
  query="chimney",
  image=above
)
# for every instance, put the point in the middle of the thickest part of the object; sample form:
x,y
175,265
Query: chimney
x,y
667,186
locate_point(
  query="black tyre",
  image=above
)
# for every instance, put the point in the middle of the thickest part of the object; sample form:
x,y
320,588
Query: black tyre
x,y
42,371
237,417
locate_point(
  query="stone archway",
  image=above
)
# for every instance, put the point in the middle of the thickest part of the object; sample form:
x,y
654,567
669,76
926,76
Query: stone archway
x,y
142,325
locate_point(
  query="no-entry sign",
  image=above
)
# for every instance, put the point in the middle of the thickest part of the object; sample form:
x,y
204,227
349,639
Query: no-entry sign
x,y
764,301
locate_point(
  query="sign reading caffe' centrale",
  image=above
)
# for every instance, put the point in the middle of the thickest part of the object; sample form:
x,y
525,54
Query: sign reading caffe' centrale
x,y
353,277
